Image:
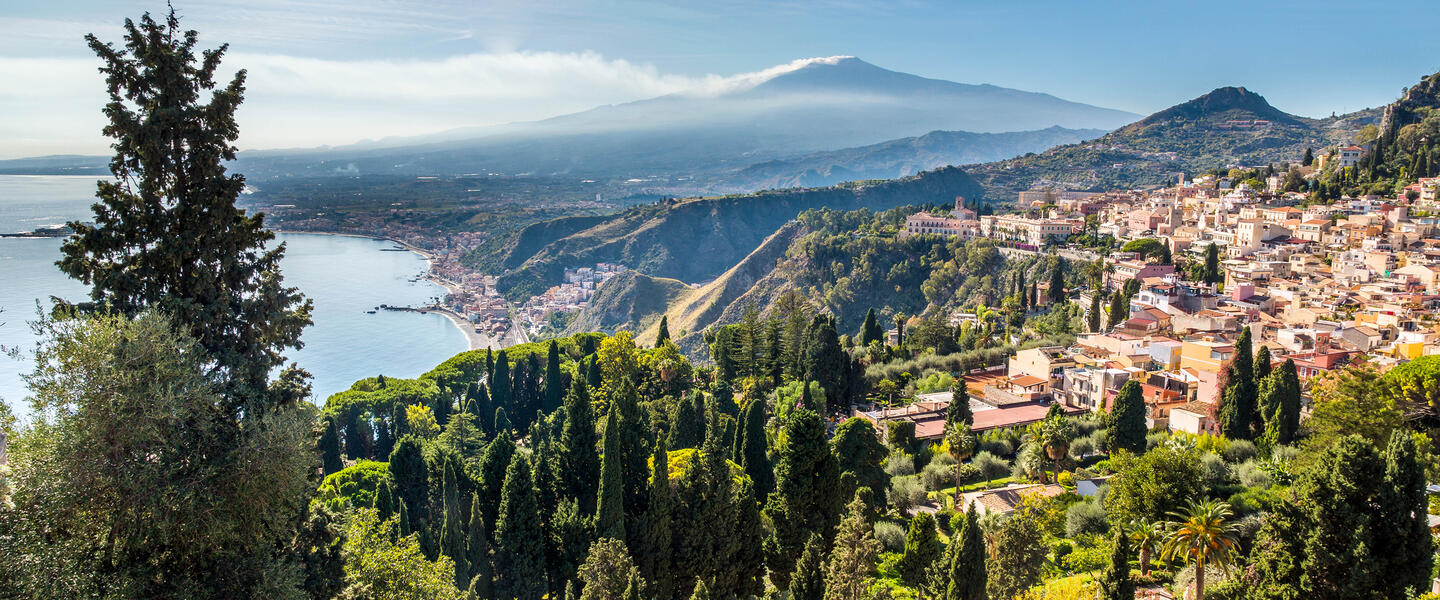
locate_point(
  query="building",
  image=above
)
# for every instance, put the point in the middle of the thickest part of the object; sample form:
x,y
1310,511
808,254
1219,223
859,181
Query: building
x,y
924,223
1125,270
1349,156
1024,230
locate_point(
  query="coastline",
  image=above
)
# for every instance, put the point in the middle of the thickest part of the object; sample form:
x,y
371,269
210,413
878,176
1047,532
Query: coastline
x,y
474,340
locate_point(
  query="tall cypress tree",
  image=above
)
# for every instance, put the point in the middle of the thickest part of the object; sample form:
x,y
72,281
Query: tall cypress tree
x,y
809,580
167,235
500,393
825,360
1237,409
577,448
1212,264
754,451
494,464
1262,364
870,330
806,496
554,381
452,534
1119,308
966,571
859,455
1125,424
959,410
922,549
1115,583
1407,554
662,335
654,552
330,448
477,549
686,429
610,499
1096,314
411,476
1280,403
1057,281
519,537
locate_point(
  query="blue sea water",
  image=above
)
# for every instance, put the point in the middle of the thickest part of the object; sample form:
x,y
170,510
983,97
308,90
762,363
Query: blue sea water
x,y
345,276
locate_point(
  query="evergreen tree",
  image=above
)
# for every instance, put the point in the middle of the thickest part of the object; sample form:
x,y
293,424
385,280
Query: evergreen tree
x,y
384,502
1212,264
477,549
1115,583
1057,281
403,521
610,499
826,360
1125,424
653,553
500,393
1280,403
1119,308
686,428
1262,365
959,410
967,576
330,448
1309,157
1027,299
754,449
859,456
452,534
852,558
662,335
167,236
1407,551
411,476
577,448
502,426
441,410
519,537
554,381
593,377
1237,408
1096,313
494,464
922,549
1166,258
870,330
702,592
806,492
809,580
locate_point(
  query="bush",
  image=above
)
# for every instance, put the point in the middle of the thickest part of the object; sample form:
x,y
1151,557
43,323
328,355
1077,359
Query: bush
x,y
905,492
942,518
1251,475
998,447
1097,441
899,464
937,477
1155,439
990,467
1085,518
943,458
1239,451
891,535
1284,453
1066,479
1213,470
1081,447
1091,557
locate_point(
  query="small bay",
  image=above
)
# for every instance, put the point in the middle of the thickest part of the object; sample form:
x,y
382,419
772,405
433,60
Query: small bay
x,y
345,276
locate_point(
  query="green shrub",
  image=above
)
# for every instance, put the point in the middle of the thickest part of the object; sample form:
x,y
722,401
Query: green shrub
x,y
1085,518
890,535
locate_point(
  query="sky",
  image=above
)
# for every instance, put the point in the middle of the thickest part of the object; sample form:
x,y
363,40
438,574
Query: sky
x,y
331,72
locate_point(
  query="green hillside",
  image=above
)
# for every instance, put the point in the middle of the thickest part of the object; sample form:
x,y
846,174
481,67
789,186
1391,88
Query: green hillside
x,y
627,301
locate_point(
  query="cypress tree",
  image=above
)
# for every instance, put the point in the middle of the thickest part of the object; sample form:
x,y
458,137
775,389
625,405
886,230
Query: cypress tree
x,y
959,410
411,476
519,537
686,429
1237,409
452,535
577,448
1125,424
859,455
1115,583
853,557
384,502
593,377
966,571
441,410
870,330
1283,404
1309,157
330,448
1057,281
805,500
826,360
500,393
610,499
427,539
1119,308
663,334
809,580
754,451
477,549
554,381
502,425
1212,264
1096,312
653,555
494,464
1026,297
1262,364
1407,554
922,549
404,521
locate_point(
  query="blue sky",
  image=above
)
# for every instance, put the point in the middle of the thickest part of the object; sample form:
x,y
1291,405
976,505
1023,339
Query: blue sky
x,y
337,71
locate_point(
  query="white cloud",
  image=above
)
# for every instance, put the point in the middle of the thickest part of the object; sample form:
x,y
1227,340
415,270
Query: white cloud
x,y
296,101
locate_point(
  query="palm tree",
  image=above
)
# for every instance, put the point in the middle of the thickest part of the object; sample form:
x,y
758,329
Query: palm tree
x,y
962,445
1053,436
1202,535
1147,536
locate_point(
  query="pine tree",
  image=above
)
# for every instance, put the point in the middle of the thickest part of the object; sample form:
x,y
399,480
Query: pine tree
x,y
167,235
610,499
959,410
1057,281
870,330
805,496
477,549
809,580
1237,409
577,448
1096,312
330,448
519,537
1125,424
554,381
662,335
754,451
966,576
852,558
1115,583
654,552
922,549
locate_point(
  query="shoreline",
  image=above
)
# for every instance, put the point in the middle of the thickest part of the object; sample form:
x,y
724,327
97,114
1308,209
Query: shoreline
x,y
473,340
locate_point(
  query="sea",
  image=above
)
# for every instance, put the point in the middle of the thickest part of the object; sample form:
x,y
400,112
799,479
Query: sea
x,y
346,277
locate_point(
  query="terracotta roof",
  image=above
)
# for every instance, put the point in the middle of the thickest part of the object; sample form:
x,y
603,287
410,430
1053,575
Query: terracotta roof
x,y
1026,381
